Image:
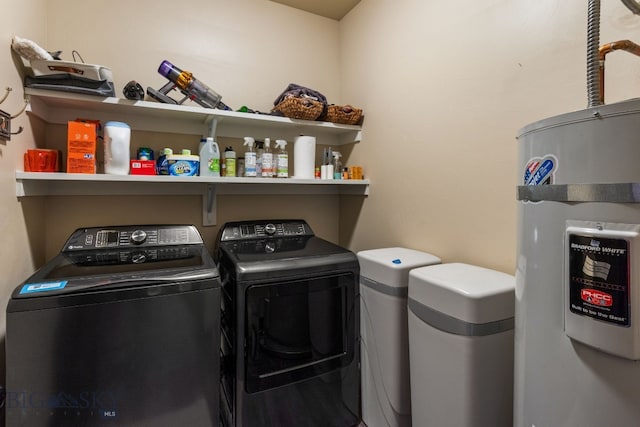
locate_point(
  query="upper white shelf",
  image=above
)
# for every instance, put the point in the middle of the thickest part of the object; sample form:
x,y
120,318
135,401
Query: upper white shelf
x,y
60,107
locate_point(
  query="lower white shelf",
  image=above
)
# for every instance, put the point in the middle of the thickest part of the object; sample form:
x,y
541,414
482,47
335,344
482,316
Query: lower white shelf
x,y
64,184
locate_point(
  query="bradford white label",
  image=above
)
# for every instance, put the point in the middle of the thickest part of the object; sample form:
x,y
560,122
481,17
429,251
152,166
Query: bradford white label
x,y
599,278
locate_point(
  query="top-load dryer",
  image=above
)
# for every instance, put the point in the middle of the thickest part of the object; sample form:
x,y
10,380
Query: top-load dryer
x,y
290,327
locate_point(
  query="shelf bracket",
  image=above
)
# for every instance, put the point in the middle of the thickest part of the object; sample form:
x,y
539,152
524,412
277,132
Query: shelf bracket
x,y
212,121
209,207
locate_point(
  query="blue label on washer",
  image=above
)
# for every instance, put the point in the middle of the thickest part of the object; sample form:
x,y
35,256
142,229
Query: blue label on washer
x,y
397,261
42,287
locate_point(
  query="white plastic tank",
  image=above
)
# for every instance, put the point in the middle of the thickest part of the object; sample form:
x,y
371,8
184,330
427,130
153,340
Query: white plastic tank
x,y
461,320
384,277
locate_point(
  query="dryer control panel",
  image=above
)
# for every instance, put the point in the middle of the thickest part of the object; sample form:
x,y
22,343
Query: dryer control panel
x,y
132,236
248,230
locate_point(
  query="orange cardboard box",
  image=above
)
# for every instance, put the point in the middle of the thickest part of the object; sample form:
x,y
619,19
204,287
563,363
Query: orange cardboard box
x,y
81,147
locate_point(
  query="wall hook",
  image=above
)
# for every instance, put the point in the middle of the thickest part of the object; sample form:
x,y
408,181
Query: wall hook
x,y
5,119
8,89
24,107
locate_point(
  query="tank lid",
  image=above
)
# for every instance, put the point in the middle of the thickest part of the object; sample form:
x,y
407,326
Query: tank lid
x,y
631,106
466,292
390,266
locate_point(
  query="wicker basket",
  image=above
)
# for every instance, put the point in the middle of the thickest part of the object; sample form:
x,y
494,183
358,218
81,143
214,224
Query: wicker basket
x,y
344,114
300,108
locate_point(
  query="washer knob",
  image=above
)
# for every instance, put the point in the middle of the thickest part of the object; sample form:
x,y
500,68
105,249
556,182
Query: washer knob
x,y
270,229
138,258
138,237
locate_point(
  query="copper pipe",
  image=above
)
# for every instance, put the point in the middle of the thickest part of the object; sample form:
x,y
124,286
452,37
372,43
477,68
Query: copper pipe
x,y
625,45
633,6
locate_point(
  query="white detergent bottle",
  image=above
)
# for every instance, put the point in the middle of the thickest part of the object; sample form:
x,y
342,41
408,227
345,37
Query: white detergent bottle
x,y
267,160
249,158
209,158
117,137
282,159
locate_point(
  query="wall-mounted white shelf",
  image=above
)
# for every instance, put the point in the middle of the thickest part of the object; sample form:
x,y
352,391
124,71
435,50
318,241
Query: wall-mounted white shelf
x,y
59,107
64,184
56,107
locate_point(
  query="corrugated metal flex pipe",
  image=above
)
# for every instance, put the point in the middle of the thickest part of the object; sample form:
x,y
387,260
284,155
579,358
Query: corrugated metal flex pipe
x,y
593,62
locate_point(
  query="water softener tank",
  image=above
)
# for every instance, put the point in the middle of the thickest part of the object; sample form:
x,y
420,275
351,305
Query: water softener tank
x,y
384,278
461,346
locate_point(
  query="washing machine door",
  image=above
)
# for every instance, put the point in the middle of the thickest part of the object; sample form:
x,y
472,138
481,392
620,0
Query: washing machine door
x,y
298,329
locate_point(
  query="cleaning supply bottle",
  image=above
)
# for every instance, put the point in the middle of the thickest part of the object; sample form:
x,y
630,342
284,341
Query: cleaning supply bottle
x,y
259,151
282,159
249,158
117,136
209,158
267,160
326,169
162,167
230,161
337,165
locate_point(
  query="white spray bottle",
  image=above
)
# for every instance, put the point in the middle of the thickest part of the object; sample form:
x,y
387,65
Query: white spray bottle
x,y
337,165
282,159
267,160
249,158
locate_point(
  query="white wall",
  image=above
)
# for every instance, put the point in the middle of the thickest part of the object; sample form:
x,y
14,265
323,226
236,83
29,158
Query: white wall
x,y
246,50
446,86
21,245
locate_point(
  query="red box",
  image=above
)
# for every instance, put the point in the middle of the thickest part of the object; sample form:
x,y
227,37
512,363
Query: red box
x,y
142,167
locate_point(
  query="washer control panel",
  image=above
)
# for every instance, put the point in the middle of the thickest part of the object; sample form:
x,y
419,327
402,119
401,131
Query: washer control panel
x,y
132,236
246,230
117,256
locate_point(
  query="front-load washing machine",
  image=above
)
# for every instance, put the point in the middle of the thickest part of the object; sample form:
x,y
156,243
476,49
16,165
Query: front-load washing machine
x,y
121,328
290,327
